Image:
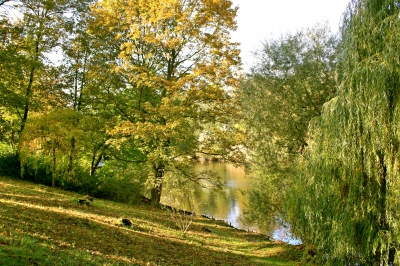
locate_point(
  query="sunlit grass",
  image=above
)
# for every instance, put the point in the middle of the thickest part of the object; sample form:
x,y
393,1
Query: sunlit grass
x,y
45,226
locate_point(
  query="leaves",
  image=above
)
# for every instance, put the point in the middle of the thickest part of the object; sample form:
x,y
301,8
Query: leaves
x,y
173,61
286,89
135,85
348,191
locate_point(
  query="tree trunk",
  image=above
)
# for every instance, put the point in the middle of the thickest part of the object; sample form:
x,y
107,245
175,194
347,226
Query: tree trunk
x,y
71,156
53,181
27,100
156,195
383,222
83,81
76,90
95,163
28,92
158,184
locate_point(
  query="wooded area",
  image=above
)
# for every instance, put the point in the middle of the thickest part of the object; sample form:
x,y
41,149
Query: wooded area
x,y
143,88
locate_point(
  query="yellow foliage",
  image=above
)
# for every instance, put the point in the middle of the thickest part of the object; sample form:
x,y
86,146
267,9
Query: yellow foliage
x,y
179,70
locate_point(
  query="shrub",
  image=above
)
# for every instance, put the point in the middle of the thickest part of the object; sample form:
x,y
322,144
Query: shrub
x,y
36,169
9,162
119,184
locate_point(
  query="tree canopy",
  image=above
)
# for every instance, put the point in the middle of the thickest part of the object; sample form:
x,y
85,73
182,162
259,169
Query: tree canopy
x,y
292,78
144,85
173,72
346,202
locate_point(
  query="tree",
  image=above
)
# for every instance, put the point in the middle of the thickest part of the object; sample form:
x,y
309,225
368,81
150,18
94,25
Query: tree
x,y
78,76
292,78
347,199
12,74
78,53
41,36
32,85
25,77
29,78
170,71
47,137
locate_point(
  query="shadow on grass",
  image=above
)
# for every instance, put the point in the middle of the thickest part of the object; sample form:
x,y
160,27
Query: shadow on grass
x,y
42,230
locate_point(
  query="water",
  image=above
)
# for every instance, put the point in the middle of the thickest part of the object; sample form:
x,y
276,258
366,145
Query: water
x,y
229,204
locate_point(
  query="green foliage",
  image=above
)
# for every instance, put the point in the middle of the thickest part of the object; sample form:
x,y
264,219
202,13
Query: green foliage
x,y
48,137
120,182
137,93
292,79
347,200
36,169
9,162
167,70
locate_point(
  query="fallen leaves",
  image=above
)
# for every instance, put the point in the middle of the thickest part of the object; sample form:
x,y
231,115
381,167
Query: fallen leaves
x,y
50,226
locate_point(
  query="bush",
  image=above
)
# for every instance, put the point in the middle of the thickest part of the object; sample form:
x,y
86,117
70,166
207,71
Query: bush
x,y
123,185
9,162
37,170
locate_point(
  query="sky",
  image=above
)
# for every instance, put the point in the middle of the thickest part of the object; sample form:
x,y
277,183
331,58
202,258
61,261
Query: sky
x,y
259,20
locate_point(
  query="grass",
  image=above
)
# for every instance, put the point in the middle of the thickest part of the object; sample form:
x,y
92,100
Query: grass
x,y
40,225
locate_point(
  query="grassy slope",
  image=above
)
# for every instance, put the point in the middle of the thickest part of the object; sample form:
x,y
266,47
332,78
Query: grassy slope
x,y
45,226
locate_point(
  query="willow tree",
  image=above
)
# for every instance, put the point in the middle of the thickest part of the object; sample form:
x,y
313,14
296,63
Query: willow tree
x,y
291,80
170,71
348,198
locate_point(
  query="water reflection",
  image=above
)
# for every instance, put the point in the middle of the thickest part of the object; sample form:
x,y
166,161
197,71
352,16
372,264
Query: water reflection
x,y
228,204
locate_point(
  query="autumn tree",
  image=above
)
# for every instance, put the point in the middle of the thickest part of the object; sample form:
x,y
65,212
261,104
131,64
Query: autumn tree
x,y
11,78
291,79
48,137
33,83
29,80
42,32
347,200
78,77
22,66
171,68
77,56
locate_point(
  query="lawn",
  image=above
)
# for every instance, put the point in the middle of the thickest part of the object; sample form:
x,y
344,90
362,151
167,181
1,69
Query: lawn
x,y
41,225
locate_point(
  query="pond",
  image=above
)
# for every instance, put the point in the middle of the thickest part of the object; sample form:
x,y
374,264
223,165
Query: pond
x,y
229,204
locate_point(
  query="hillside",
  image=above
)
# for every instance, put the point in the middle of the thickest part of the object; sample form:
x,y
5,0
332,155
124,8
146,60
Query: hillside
x,y
40,225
